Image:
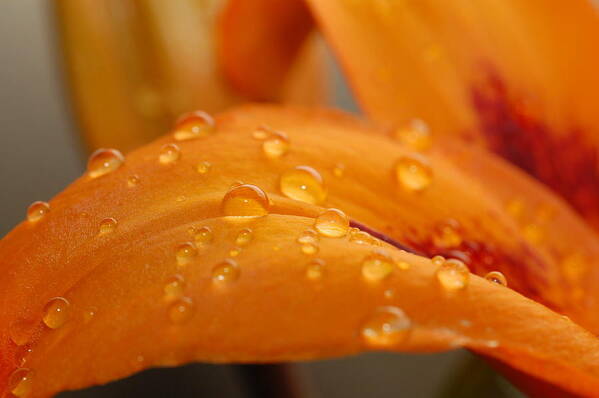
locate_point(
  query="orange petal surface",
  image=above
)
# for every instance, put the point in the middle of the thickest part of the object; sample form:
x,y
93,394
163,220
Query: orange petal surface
x,y
196,249
516,77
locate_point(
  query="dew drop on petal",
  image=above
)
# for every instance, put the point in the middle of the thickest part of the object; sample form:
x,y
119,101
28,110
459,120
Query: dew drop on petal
x,y
107,226
181,310
377,266
332,223
303,183
308,236
413,173
37,210
244,237
234,252
309,248
203,167
403,265
275,145
225,272
56,312
447,234
132,181
453,275
496,277
169,153
203,236
185,253
20,331
416,135
245,201
315,269
438,260
104,161
174,287
20,382
260,133
194,125
361,237
387,327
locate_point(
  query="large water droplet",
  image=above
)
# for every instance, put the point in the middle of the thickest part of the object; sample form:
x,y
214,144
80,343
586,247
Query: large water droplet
x,y
415,135
174,287
185,253
56,312
37,210
388,327
453,275
169,153
193,125
225,272
107,225
244,237
203,236
413,173
245,201
303,183
20,382
315,269
332,223
496,277
377,266
181,310
104,161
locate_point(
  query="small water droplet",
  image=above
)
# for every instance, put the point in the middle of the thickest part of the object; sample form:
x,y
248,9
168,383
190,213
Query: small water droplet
x,y
416,135
308,236
37,210
132,181
245,201
275,145
303,183
414,173
203,236
389,294
169,153
107,225
22,354
56,312
403,265
185,253
174,287
234,252
361,237
260,133
309,248
438,260
315,269
181,310
332,223
453,275
339,170
377,266
227,271
496,277
104,161
244,237
20,382
388,327
447,234
89,314
194,125
203,167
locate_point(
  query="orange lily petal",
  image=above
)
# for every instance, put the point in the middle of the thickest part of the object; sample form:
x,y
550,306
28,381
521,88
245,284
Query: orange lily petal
x,y
111,245
516,77
134,66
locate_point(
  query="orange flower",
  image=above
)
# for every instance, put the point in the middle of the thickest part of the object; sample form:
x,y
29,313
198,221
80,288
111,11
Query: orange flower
x,y
275,233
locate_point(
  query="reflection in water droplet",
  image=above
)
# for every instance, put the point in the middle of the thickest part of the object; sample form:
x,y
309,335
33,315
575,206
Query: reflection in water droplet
x,y
453,275
107,226
185,253
174,287
203,236
37,210
245,201
496,277
56,312
332,223
244,237
20,382
315,269
181,310
303,183
227,271
387,327
104,161
377,266
169,153
194,125
413,173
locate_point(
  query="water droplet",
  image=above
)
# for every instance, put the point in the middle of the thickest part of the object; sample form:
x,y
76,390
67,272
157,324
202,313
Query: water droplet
x,y
181,310
104,161
261,133
227,271
447,234
234,252
275,145
387,327
245,201
185,253
361,237
453,275
308,236
403,265
20,382
332,223
309,248
169,153
244,237
303,183
56,312
194,125
339,170
89,314
496,277
37,210
413,173
438,260
203,236
416,135
22,354
377,266
203,167
107,225
132,181
389,294
174,287
315,269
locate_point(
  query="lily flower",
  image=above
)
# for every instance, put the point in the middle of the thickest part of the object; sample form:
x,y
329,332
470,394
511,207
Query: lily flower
x,y
270,233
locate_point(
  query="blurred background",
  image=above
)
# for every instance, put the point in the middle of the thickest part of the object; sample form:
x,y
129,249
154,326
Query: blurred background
x,y
51,58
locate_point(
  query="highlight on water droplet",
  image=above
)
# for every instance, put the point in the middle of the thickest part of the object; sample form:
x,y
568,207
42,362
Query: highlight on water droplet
x,y
438,260
447,234
339,170
104,161
56,312
332,223
225,272
181,310
174,287
194,125
203,167
20,382
387,327
303,183
244,237
315,269
453,275
414,173
132,180
203,236
377,266
496,277
245,201
107,225
416,135
234,252
169,153
37,210
185,253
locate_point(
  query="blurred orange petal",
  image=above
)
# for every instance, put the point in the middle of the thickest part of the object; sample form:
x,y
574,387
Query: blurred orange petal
x,y
194,248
